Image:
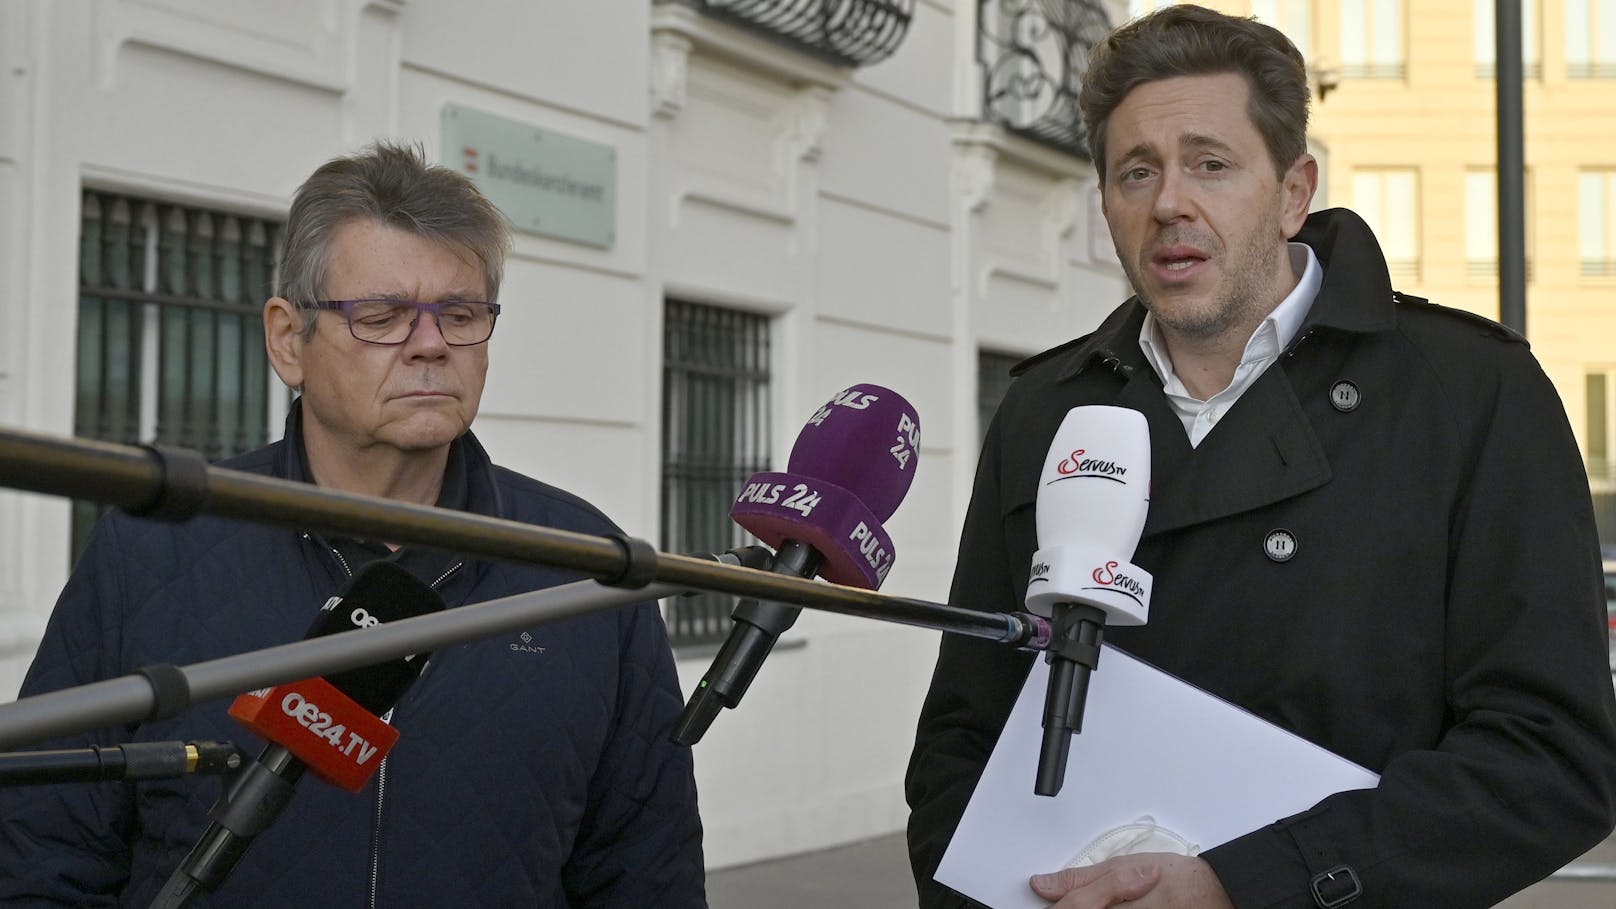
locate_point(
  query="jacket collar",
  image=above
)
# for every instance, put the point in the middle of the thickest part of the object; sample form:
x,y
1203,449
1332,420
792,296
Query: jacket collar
x,y
1264,450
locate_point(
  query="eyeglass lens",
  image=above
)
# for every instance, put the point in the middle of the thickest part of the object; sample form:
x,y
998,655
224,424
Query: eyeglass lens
x,y
389,322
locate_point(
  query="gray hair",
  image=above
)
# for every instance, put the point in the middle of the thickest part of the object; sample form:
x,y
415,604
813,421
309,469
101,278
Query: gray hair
x,y
1187,40
391,184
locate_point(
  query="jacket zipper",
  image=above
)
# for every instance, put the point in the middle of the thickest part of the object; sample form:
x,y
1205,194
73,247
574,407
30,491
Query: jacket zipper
x,y
381,769
376,836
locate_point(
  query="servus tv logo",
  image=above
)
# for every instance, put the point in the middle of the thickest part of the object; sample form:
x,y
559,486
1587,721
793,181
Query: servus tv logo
x,y
1079,464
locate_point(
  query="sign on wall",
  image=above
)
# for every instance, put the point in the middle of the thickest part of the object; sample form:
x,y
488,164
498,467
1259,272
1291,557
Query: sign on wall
x,y
545,182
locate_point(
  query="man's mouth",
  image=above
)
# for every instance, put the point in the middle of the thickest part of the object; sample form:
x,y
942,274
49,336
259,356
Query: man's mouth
x,y
1174,260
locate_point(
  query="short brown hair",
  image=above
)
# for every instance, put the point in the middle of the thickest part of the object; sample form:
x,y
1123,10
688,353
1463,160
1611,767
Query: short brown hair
x,y
1186,40
391,184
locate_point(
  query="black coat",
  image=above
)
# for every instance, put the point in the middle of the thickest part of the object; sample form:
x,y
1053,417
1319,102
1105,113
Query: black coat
x,y
1441,621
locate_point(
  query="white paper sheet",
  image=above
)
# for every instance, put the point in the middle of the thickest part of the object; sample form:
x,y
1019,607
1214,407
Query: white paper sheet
x,y
1152,745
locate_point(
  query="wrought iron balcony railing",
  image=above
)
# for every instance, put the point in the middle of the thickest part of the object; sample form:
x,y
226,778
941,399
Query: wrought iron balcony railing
x,y
843,32
1033,55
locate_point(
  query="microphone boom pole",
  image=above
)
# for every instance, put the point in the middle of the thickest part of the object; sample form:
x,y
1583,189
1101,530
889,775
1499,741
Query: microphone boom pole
x,y
175,485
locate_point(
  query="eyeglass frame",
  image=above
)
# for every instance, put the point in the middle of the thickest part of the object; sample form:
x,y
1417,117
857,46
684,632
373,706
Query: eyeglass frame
x,y
345,307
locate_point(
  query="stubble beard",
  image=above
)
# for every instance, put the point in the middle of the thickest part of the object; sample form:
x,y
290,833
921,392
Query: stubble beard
x,y
1241,298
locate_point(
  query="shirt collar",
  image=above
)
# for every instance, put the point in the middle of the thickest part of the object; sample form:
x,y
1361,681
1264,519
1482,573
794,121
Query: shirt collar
x,y
1276,331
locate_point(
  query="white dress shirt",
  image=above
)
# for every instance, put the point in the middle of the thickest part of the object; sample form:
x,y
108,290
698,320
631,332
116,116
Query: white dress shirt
x,y
1272,336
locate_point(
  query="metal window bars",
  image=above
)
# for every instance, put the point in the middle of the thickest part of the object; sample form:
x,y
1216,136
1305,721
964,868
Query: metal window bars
x,y
715,434
842,32
170,344
1033,55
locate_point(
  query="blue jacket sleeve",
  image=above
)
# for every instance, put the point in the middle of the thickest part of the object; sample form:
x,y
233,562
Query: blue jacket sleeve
x,y
67,844
640,841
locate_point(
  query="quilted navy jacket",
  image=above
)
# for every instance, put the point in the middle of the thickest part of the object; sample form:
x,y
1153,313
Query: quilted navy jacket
x,y
534,768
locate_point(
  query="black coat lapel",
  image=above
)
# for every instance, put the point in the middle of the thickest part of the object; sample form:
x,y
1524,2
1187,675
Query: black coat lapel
x,y
1261,452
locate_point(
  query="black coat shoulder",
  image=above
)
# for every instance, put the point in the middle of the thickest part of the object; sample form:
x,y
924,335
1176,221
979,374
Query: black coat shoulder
x,y
1419,315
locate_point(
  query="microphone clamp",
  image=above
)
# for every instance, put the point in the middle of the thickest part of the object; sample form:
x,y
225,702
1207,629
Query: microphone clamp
x,y
1082,574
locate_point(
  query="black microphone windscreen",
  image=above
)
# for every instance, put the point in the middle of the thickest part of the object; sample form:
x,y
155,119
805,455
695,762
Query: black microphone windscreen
x,y
381,592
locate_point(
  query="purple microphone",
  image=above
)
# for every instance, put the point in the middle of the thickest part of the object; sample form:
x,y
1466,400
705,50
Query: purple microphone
x,y
850,467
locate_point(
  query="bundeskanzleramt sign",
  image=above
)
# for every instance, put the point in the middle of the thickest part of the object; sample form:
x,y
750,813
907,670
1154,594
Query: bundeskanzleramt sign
x,y
545,182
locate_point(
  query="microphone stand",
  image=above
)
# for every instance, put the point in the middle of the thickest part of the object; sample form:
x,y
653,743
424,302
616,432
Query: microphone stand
x,y
175,485
250,803
1073,656
757,626
161,691
132,761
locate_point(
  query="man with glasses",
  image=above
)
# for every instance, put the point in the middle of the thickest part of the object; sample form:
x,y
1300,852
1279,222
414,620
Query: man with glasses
x,y
533,769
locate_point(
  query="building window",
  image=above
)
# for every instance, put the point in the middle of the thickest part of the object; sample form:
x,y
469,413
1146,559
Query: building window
x,y
992,382
1596,228
1486,30
1389,200
841,32
715,434
1590,39
1372,39
1597,395
170,329
1481,224
1033,55
1293,17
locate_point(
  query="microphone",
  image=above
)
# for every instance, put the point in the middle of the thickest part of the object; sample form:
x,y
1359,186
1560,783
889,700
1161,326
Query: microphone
x,y
1092,497
849,468
134,761
327,725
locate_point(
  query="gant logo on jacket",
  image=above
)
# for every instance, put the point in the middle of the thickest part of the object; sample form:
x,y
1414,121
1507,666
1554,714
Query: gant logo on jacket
x,y
526,645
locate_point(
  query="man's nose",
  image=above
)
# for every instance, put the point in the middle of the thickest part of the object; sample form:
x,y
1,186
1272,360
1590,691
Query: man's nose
x,y
426,336
1173,196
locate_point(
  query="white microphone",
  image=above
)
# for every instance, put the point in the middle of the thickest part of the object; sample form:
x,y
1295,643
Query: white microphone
x,y
1092,498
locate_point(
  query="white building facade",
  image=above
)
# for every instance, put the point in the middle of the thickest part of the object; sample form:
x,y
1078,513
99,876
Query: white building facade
x,y
870,220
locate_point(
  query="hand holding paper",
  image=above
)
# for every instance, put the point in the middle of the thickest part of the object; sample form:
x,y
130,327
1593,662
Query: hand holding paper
x,y
1152,745
1147,880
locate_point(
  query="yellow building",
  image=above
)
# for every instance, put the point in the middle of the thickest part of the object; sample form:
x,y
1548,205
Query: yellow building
x,y
1405,132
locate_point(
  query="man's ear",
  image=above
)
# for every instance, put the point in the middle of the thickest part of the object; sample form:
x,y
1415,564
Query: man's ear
x,y
283,339
1300,183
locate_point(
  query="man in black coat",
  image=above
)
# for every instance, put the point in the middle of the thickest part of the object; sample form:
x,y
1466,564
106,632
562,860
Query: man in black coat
x,y
1369,522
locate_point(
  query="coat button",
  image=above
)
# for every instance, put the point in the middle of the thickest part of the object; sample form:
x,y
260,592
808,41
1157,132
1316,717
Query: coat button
x,y
1280,545
1344,396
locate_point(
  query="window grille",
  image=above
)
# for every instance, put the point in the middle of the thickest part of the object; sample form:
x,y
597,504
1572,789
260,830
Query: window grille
x,y
1033,55
1403,269
1481,223
1372,42
1488,268
842,32
1388,199
1590,39
715,434
170,331
1596,222
1293,17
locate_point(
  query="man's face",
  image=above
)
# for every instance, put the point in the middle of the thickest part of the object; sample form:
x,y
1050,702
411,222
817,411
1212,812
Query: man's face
x,y
411,397
1198,216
